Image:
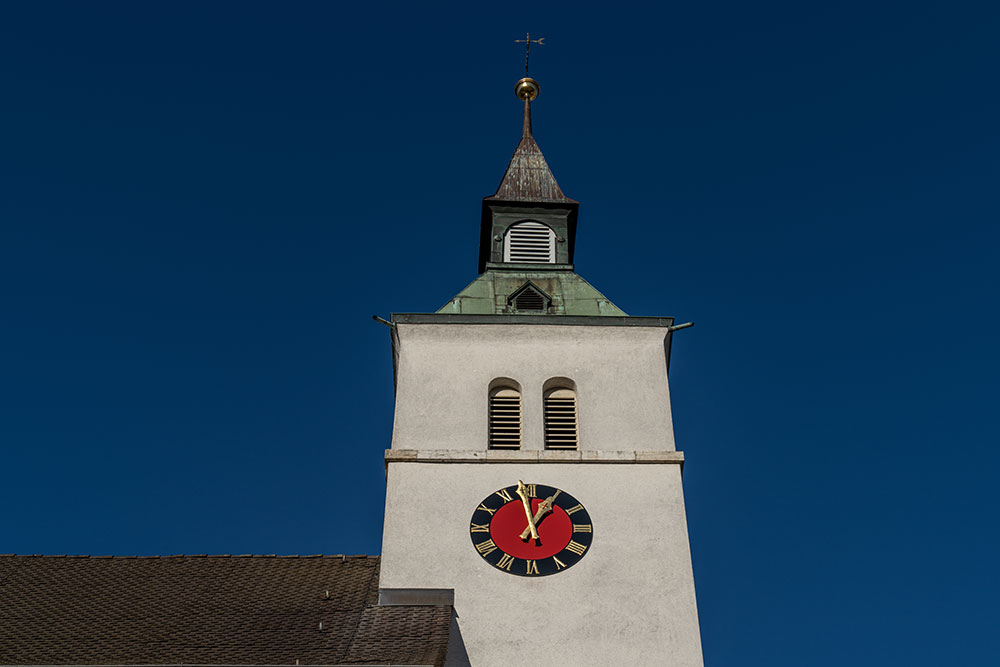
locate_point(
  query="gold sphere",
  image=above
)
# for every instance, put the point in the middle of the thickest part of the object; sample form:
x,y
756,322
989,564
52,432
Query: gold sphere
x,y
527,89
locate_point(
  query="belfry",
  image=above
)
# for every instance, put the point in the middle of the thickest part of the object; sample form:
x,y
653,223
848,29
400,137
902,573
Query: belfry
x,y
533,477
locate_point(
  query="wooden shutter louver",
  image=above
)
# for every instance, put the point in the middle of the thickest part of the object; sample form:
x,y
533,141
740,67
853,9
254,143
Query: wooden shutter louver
x,y
561,430
505,419
531,243
529,299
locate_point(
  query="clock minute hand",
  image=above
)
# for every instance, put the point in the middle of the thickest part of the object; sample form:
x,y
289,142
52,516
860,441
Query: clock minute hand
x,y
547,505
543,509
521,491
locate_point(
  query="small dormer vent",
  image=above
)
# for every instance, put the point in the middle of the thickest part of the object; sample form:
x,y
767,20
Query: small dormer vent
x,y
528,298
530,242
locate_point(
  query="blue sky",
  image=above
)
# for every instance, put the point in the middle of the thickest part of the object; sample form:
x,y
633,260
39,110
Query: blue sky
x,y
203,205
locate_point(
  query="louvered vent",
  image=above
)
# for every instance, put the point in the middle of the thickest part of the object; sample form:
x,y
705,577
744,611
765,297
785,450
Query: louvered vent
x,y
529,299
505,419
561,430
530,242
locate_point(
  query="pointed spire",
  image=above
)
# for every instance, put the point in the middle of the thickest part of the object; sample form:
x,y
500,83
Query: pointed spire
x,y
528,177
528,193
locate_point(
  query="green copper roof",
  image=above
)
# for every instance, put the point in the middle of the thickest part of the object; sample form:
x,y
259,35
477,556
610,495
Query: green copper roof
x,y
569,293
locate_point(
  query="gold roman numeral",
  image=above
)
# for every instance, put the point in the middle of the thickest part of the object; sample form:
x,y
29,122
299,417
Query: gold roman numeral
x,y
487,547
581,528
575,547
559,564
505,494
485,509
505,562
532,567
483,528
575,508
531,490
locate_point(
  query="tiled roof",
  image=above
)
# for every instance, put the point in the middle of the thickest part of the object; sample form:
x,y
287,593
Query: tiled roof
x,y
234,610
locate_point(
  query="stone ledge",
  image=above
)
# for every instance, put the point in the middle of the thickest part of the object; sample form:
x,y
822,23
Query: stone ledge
x,y
499,455
415,597
528,456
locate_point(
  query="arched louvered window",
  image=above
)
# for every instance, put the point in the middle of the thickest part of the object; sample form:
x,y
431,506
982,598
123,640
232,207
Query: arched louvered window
x,y
505,417
561,425
530,242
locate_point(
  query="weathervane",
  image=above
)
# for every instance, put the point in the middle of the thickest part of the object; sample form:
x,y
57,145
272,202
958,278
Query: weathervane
x,y
527,41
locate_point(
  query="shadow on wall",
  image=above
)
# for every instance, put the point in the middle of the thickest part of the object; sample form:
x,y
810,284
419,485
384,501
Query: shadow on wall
x,y
456,656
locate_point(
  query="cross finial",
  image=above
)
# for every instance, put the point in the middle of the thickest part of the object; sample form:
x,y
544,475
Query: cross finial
x,y
527,41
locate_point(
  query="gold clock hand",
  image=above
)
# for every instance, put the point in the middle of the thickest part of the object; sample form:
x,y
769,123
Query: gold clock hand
x,y
543,509
547,506
521,491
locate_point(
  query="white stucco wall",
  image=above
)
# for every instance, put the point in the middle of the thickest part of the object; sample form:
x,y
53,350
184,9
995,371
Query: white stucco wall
x,y
444,372
629,601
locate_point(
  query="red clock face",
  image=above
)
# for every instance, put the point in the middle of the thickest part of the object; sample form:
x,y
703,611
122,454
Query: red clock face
x,y
501,530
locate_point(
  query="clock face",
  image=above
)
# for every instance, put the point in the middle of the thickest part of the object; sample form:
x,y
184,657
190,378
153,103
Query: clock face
x,y
503,536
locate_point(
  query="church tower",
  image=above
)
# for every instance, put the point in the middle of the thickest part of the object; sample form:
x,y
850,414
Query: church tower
x,y
533,468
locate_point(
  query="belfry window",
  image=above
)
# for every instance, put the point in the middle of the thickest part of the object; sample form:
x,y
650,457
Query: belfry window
x,y
504,416
529,242
561,426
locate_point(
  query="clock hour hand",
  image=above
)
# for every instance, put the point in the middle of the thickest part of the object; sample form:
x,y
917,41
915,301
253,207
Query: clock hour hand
x,y
522,491
543,509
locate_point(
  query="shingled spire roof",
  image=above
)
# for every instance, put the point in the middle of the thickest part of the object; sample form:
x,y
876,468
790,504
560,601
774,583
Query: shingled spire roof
x,y
528,177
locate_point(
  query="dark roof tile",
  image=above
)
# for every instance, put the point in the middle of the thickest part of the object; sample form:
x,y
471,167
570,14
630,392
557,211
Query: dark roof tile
x,y
209,610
